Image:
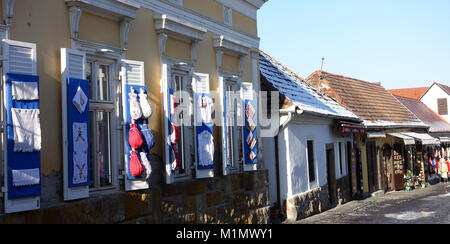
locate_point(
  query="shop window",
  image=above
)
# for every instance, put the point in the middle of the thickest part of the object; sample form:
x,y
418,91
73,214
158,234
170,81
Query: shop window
x,y
101,109
442,106
311,167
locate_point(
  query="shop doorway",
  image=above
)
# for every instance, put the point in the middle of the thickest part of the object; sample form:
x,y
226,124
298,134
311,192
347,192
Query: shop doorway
x,y
331,174
398,161
371,149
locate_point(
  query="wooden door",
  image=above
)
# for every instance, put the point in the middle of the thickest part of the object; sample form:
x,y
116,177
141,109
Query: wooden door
x,y
372,168
331,174
398,160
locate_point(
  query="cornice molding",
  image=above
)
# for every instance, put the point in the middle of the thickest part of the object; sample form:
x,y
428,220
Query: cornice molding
x,y
178,28
198,20
115,9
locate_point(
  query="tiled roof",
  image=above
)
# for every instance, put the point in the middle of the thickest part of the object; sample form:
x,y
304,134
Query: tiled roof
x,y
369,101
436,123
415,93
297,92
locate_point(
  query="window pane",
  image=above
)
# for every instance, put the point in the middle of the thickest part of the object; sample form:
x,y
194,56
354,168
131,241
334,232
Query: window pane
x,y
89,78
340,157
100,149
310,148
102,82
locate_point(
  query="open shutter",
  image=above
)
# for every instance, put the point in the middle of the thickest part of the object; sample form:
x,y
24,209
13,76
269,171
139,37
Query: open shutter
x,y
19,65
250,140
73,73
132,77
203,127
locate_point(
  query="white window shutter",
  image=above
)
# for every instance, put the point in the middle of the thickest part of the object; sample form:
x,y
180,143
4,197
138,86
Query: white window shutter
x,y
19,58
73,65
201,85
132,75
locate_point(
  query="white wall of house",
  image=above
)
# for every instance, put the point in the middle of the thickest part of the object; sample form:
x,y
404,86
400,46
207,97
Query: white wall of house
x,y
294,174
431,99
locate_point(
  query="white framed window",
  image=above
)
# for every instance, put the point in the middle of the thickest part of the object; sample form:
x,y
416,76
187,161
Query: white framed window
x,y
183,117
102,75
234,133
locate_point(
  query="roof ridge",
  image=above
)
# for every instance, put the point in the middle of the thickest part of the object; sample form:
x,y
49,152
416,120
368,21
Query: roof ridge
x,y
370,82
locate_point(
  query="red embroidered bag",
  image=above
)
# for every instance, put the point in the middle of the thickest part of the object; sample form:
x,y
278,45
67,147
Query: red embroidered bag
x,y
136,168
135,137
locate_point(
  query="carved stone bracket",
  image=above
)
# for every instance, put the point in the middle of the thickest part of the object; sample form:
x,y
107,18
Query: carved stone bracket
x,y
75,15
124,29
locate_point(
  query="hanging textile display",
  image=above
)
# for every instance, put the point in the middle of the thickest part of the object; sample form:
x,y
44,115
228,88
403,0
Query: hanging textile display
x,y
147,167
139,137
27,129
135,107
250,144
80,153
145,105
78,118
23,136
204,130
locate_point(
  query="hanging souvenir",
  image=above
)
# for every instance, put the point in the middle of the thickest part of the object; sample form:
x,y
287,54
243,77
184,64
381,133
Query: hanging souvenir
x,y
206,148
136,168
148,136
27,129
147,167
135,107
145,105
135,137
80,153
80,100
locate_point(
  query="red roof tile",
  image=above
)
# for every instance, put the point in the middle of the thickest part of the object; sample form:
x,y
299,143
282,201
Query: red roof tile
x,y
415,93
369,101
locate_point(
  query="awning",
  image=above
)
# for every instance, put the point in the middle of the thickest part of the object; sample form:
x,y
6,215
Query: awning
x,y
352,128
423,137
406,139
376,135
444,139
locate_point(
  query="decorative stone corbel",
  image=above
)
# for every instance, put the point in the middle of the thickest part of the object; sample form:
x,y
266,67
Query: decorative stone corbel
x,y
124,30
194,51
162,40
241,64
219,56
75,15
8,11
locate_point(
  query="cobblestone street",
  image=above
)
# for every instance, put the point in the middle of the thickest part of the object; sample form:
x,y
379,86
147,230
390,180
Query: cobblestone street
x,y
422,206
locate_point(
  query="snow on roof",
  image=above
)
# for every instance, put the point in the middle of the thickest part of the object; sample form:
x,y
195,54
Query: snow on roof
x,y
304,96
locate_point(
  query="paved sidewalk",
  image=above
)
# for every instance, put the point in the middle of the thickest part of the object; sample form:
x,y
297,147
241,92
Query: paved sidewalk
x,y
422,206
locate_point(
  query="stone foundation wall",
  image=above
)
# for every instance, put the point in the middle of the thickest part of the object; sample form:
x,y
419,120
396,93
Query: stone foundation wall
x,y
316,201
237,199
307,204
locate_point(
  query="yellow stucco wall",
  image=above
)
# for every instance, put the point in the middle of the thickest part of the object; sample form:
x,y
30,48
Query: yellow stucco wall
x,y
244,23
99,29
178,49
46,23
208,8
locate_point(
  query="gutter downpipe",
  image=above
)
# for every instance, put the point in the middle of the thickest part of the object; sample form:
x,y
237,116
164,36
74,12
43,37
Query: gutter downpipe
x,y
290,114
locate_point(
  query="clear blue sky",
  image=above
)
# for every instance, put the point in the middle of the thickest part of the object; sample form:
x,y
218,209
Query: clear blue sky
x,y
400,43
